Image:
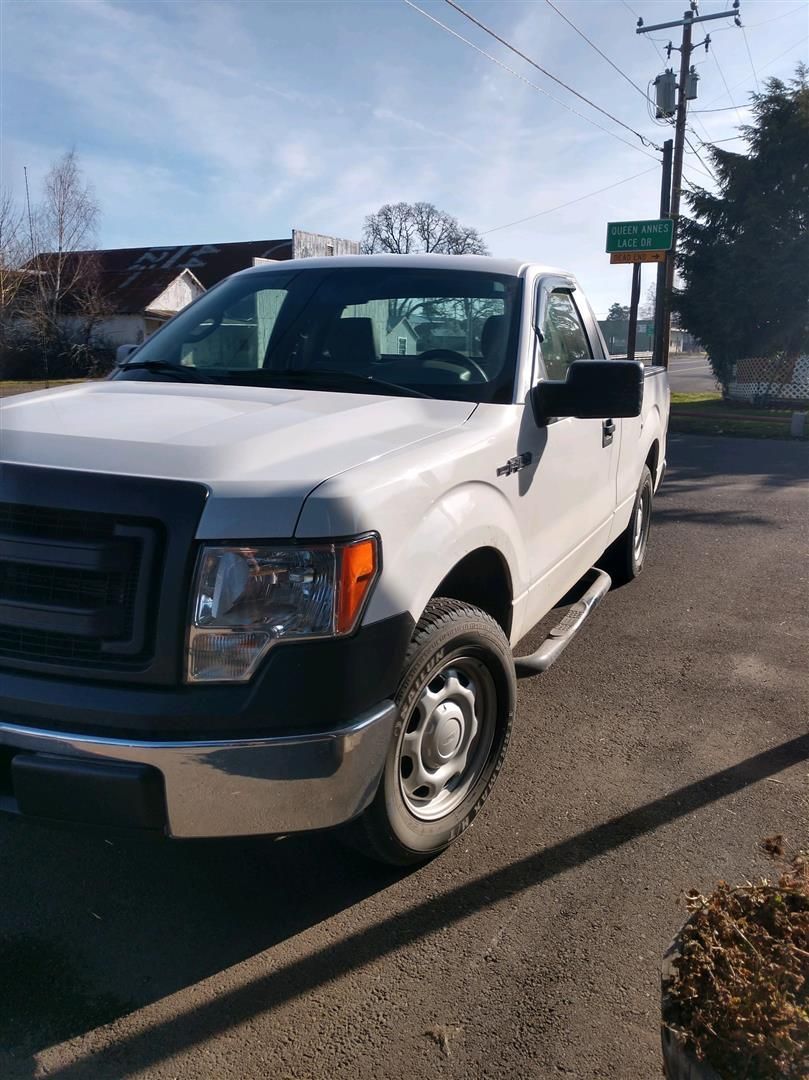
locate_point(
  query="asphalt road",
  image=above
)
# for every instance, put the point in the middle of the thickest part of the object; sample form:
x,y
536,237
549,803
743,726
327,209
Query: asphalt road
x,y
651,759
690,373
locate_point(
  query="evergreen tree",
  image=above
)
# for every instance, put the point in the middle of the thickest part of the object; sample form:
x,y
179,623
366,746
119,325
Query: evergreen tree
x,y
744,254
618,312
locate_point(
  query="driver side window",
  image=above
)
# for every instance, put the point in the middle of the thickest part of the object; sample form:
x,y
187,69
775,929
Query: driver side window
x,y
563,336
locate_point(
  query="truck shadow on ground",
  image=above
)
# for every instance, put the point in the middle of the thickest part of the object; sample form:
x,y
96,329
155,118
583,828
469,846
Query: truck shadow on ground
x,y
199,908
92,929
774,463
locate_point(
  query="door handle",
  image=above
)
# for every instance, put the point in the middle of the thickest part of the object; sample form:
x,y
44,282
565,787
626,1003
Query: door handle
x,y
607,432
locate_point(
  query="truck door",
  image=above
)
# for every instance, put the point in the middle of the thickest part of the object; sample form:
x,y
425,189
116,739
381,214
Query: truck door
x,y
569,505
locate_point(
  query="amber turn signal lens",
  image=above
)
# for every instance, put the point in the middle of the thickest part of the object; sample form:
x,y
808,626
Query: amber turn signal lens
x,y
358,568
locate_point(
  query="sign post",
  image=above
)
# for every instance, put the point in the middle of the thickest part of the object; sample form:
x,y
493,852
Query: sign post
x,y
632,334
638,242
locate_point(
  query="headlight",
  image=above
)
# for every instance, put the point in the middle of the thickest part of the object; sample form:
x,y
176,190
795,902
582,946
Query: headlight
x,y
247,598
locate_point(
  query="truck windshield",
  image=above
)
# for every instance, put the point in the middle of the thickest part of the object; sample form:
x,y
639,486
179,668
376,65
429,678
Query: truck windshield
x,y
436,333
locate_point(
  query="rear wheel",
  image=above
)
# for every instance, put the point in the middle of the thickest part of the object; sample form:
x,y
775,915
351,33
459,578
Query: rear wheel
x,y
624,558
456,700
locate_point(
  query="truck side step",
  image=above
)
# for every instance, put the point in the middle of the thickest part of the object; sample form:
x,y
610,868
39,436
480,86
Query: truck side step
x,y
563,633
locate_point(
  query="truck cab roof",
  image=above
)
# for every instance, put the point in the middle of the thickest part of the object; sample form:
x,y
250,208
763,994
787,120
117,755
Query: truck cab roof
x,y
481,263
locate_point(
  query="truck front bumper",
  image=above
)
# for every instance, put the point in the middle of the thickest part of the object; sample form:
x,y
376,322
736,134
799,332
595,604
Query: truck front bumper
x,y
200,788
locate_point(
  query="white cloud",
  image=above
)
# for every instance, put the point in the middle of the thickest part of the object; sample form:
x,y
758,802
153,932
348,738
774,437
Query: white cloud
x,y
236,120
296,160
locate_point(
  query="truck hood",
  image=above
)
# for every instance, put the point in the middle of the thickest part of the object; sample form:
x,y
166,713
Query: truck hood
x,y
243,443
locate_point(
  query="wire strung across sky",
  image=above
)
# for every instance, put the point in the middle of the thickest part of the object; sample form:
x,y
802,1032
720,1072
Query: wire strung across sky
x,y
763,22
725,82
750,58
708,171
533,63
571,202
718,142
724,108
653,42
528,82
592,45
698,156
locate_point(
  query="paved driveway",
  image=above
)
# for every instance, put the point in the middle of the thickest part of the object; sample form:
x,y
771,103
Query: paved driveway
x,y
649,760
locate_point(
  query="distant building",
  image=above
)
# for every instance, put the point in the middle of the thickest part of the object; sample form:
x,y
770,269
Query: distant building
x,y
143,287
616,335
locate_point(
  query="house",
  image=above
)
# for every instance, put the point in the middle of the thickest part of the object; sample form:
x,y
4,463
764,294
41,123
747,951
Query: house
x,y
143,287
394,334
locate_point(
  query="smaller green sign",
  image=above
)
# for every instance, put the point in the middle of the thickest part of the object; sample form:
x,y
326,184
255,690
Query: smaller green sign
x,y
654,235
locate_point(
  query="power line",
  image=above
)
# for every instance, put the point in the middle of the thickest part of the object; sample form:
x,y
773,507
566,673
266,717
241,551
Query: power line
x,y
528,82
561,206
775,59
698,156
533,63
724,80
724,108
750,58
718,142
763,22
592,45
664,61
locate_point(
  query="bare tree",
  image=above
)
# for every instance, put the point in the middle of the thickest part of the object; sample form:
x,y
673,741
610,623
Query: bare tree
x,y
407,228
64,227
647,308
417,228
12,255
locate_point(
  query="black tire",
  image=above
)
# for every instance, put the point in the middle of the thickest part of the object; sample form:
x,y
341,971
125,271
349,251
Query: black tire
x,y
624,558
452,642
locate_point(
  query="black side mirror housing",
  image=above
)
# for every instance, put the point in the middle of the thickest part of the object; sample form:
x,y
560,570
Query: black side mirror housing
x,y
593,390
123,352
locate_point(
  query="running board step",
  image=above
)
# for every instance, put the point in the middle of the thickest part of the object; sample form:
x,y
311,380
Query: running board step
x,y
563,633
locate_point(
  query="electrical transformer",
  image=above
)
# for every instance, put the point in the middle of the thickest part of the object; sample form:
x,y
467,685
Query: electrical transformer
x,y
665,86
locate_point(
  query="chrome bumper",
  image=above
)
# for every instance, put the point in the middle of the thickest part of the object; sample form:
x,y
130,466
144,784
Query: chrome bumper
x,y
242,786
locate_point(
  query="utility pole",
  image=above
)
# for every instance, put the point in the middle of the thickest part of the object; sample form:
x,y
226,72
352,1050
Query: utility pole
x,y
660,347
690,17
677,177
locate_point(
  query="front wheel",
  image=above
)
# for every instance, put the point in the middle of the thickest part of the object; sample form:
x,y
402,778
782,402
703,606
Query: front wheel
x,y
624,558
456,703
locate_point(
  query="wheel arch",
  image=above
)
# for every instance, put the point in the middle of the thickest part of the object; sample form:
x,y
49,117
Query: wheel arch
x,y
482,578
653,459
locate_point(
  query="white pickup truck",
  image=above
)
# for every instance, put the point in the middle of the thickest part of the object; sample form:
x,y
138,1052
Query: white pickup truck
x,y
268,576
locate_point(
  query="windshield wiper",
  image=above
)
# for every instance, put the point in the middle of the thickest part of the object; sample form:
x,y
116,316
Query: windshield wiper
x,y
347,378
163,367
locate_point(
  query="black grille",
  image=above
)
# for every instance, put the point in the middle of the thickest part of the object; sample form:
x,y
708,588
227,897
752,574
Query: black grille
x,y
46,522
16,644
68,588
74,586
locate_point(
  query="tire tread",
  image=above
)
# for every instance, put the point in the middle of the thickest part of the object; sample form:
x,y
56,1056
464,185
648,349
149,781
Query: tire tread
x,y
363,834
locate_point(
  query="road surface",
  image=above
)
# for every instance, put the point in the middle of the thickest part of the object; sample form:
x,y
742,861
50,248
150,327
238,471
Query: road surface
x,y
665,743
690,373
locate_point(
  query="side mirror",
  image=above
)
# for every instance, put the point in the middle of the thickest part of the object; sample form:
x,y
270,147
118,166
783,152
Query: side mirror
x,y
123,351
593,389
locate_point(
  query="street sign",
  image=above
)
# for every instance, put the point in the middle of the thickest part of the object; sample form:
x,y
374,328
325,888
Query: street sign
x,y
637,256
654,235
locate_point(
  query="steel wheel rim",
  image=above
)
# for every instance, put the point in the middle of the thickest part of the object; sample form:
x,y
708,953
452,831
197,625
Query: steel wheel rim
x,y
447,740
642,522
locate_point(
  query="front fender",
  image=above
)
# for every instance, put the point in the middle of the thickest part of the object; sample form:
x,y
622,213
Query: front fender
x,y
424,534
468,517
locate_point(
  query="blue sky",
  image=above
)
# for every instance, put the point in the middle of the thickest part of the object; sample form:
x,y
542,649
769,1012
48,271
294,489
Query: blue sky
x,y
203,121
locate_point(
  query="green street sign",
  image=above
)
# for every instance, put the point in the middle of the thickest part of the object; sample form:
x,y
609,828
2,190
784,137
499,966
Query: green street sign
x,y
654,235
